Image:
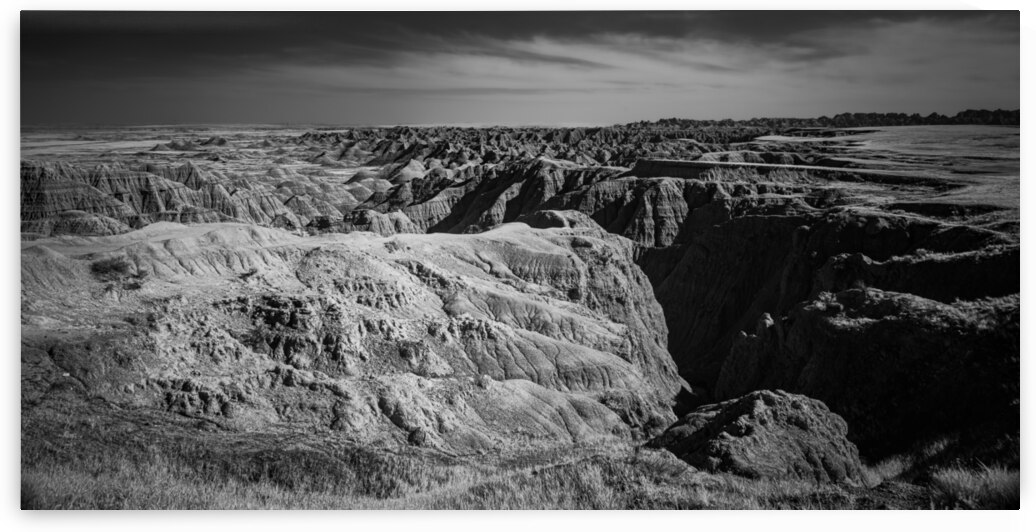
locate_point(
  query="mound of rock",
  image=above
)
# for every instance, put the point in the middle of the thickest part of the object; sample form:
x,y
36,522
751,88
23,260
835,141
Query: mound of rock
x,y
548,219
766,434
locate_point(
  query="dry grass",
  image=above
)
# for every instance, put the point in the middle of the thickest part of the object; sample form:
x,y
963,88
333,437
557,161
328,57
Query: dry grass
x,y
86,463
597,482
986,488
605,478
898,466
158,486
952,484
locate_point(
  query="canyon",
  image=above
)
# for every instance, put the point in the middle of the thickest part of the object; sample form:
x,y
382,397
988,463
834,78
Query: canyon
x,y
442,316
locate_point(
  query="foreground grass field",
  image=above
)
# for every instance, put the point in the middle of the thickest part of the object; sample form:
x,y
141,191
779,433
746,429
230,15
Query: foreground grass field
x,y
649,481
91,456
608,477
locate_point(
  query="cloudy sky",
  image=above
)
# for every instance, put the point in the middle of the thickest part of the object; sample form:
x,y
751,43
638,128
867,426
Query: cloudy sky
x,y
509,68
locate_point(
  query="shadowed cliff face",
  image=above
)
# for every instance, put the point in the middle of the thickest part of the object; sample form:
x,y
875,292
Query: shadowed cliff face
x,y
732,273
899,367
464,290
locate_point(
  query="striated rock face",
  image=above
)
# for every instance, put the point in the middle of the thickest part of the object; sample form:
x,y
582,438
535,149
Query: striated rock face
x,y
766,434
75,222
654,212
50,189
455,342
503,194
380,223
146,194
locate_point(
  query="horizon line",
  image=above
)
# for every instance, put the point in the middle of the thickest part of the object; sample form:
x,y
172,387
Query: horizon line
x,y
481,125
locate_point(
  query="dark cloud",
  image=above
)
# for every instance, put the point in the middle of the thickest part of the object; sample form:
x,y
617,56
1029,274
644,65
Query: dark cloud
x,y
56,44
153,49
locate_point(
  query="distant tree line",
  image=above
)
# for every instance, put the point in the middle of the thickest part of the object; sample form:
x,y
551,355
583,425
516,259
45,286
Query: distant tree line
x,y
998,117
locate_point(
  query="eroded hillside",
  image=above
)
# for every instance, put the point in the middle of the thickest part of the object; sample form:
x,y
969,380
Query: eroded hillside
x,y
460,296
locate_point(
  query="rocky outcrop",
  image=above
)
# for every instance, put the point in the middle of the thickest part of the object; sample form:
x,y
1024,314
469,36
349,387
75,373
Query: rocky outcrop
x,y
375,222
565,219
899,368
308,209
944,277
75,222
138,197
50,189
731,273
766,434
515,336
452,147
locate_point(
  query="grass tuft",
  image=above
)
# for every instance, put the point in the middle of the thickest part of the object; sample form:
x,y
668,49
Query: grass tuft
x,y
986,488
111,269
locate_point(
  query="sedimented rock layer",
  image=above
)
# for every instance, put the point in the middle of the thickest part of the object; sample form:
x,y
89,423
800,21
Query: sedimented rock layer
x,y
458,342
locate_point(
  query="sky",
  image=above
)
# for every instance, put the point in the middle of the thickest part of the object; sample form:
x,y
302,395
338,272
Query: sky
x,y
509,68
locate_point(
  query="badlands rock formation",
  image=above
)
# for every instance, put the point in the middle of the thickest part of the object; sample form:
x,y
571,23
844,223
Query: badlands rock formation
x,y
766,434
459,291
899,367
454,342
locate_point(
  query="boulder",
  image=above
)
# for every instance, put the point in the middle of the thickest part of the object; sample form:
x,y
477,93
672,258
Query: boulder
x,y
766,434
